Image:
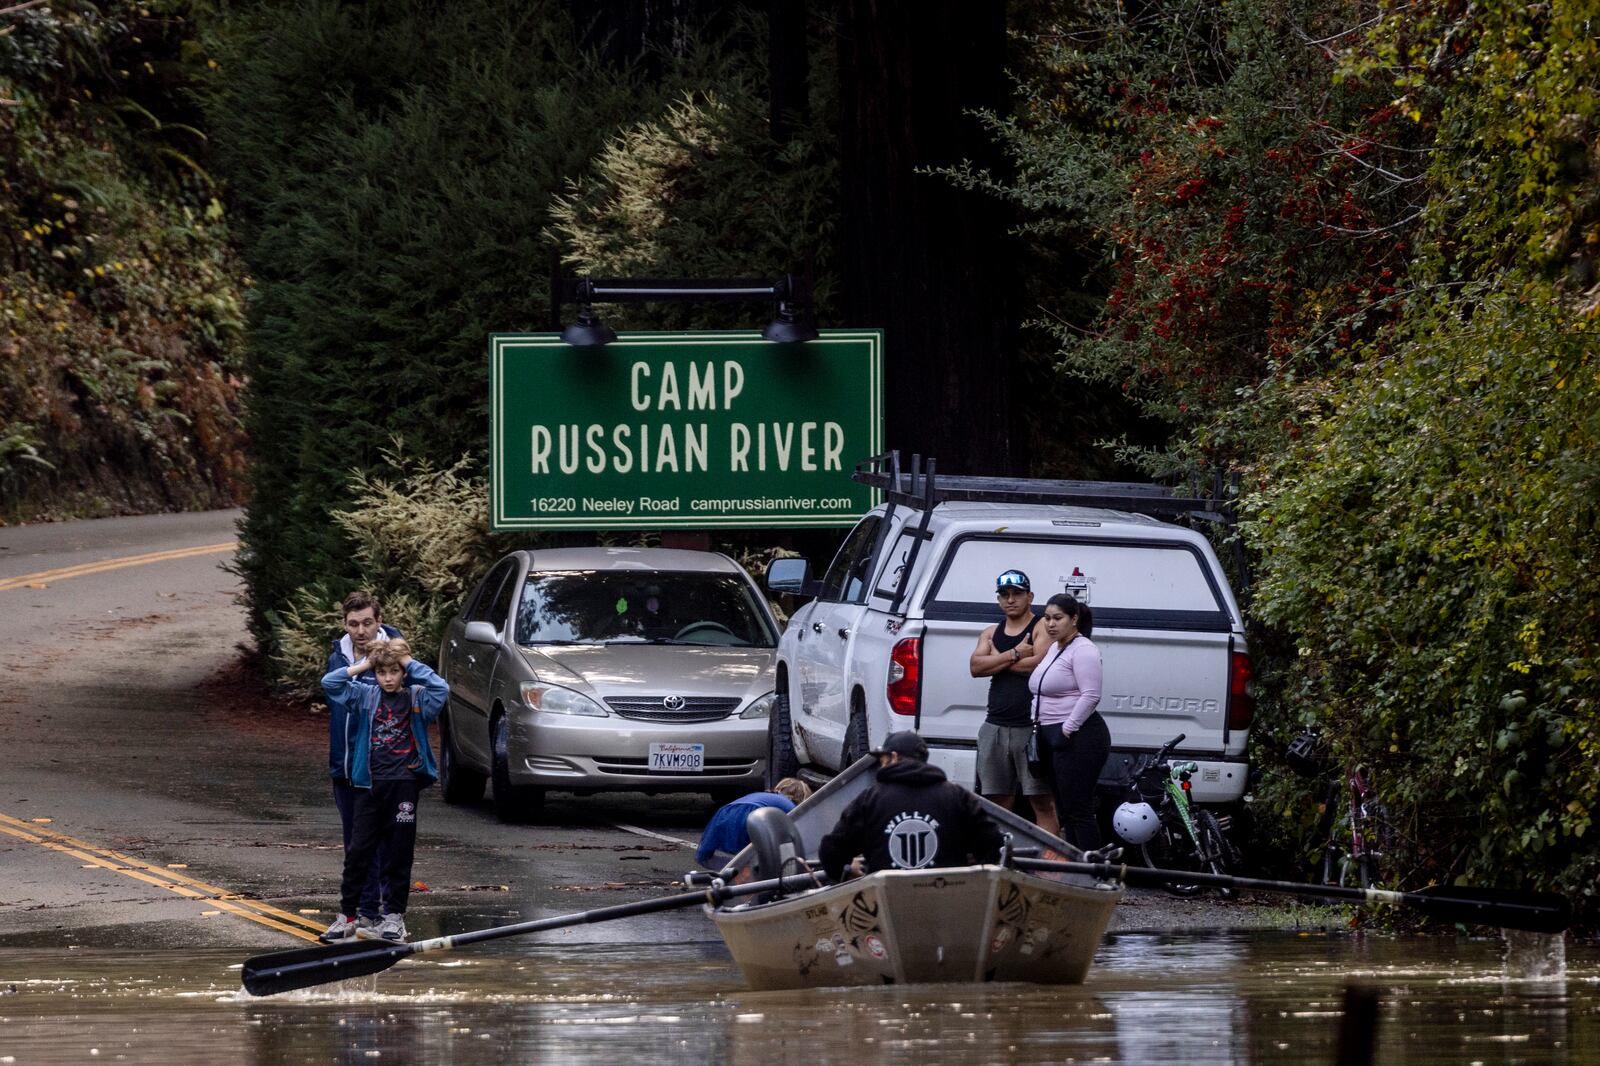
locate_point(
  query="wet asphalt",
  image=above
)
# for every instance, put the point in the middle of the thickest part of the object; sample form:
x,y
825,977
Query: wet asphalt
x,y
140,770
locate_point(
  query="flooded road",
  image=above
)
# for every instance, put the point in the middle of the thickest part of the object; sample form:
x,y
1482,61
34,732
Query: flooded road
x,y
1236,998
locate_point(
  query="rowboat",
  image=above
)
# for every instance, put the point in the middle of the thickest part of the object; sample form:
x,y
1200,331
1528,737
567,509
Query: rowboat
x,y
954,924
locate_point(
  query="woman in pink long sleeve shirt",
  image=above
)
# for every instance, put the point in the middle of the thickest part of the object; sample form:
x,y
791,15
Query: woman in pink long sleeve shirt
x,y
1066,693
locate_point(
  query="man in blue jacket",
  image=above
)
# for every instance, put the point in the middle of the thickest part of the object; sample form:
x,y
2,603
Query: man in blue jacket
x,y
363,627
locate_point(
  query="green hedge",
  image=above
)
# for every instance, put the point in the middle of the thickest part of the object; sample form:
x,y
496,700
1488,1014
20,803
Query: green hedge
x,y
1429,543
394,166
407,175
1348,251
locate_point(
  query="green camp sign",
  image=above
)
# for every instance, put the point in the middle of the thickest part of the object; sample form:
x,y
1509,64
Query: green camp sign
x,y
682,430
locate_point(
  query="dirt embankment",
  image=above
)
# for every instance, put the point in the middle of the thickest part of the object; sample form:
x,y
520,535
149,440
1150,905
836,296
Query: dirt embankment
x,y
121,298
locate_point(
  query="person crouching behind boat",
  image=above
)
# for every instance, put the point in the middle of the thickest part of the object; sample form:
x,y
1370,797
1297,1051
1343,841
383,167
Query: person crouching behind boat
x,y
390,764
726,833
911,819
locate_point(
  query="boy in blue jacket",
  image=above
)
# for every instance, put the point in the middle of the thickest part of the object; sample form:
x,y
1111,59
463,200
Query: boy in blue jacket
x,y
363,626
390,763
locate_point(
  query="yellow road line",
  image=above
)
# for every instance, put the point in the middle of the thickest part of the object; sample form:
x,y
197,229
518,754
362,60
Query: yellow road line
x,y
45,577
182,890
181,884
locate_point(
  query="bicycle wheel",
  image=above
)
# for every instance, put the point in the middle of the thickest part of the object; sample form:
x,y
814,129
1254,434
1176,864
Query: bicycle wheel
x,y
1366,870
1360,864
1171,849
1369,846
1328,832
1218,851
1332,864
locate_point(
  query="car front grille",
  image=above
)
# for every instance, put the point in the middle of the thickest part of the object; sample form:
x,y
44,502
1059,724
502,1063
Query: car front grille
x,y
654,708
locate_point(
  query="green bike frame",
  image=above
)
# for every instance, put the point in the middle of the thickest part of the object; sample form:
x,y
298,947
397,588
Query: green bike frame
x,y
1177,788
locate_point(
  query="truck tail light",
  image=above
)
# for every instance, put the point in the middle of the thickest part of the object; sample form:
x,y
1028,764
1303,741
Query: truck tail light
x,y
905,676
1241,691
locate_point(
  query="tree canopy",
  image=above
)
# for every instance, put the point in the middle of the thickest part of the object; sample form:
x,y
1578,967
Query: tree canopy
x,y
1346,249
121,293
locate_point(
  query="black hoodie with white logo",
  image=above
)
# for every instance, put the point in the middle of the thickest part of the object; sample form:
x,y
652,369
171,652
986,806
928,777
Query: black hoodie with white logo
x,y
911,819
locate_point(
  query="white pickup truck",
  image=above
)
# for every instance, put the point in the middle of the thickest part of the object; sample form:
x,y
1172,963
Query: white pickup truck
x,y
885,640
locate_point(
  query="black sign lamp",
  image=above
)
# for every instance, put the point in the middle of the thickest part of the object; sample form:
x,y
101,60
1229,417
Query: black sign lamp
x,y
794,321
588,331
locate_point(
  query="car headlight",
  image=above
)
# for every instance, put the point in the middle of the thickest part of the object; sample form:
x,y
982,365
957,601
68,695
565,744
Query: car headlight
x,y
552,699
760,708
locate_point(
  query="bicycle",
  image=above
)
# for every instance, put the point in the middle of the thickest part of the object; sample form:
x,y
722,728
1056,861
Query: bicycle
x,y
1354,822
1170,830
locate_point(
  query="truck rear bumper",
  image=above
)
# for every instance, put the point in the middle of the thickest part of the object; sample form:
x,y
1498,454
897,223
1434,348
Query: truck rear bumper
x,y
1219,780
958,760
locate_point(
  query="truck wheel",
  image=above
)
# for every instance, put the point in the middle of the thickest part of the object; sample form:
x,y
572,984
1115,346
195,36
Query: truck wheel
x,y
781,759
512,803
459,784
855,737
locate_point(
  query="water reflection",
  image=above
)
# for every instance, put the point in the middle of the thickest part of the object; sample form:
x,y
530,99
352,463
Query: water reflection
x,y
1231,998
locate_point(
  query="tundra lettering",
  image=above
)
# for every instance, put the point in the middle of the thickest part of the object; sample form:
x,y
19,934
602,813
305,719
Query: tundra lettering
x,y
1183,704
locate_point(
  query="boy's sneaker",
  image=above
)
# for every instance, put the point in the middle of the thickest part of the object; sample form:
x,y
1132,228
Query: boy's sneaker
x,y
343,928
363,922
393,927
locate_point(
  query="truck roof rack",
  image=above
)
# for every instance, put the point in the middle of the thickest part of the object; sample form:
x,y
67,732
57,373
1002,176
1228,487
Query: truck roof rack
x,y
920,488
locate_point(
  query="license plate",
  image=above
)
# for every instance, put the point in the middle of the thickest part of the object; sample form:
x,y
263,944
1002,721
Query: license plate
x,y
677,758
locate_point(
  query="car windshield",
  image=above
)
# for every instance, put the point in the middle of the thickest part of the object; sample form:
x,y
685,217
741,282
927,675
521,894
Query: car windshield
x,y
641,607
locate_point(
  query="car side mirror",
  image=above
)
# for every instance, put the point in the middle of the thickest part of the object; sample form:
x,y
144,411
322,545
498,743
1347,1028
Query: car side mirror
x,y
791,577
482,633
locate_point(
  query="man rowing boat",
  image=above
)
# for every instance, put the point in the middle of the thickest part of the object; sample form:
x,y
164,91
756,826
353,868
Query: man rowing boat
x,y
912,818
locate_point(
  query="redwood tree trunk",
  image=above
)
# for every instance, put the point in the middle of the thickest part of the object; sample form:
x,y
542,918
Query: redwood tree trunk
x,y
930,263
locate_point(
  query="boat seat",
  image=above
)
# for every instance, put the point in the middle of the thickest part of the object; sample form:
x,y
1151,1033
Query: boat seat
x,y
777,842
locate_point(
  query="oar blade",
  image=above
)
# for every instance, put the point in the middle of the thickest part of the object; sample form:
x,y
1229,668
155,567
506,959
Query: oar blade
x,y
1536,912
286,971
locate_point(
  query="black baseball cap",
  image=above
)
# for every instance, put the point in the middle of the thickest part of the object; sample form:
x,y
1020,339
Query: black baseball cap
x,y
904,743
1012,579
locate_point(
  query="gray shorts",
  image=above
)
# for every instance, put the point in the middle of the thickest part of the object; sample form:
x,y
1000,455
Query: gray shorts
x,y
1003,764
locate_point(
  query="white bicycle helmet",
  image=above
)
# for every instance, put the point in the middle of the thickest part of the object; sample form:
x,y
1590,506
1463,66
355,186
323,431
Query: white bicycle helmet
x,y
1135,822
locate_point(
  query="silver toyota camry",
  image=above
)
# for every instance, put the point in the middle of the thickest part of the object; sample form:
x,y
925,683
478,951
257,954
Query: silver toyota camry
x,y
582,669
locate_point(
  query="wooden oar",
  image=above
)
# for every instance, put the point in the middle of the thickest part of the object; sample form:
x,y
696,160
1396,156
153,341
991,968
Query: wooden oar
x,y
1539,912
285,971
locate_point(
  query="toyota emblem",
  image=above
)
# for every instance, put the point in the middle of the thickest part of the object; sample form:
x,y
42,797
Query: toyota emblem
x,y
673,703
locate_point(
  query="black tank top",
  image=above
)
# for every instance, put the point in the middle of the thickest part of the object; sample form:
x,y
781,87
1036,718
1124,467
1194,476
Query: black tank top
x,y
1010,702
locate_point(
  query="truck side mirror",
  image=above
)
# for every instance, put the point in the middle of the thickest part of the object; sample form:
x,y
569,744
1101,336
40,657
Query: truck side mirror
x,y
482,633
792,577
